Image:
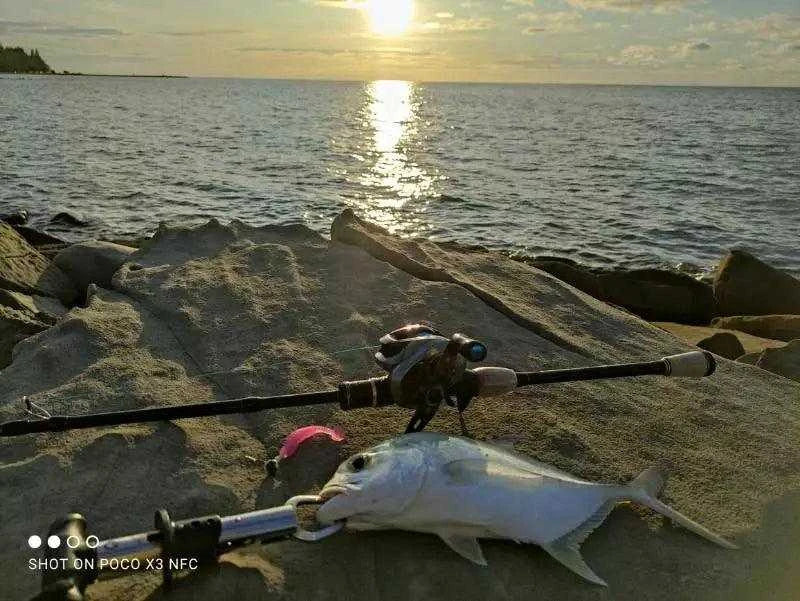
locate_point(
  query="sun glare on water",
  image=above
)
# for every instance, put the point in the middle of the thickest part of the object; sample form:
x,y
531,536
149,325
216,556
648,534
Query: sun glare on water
x,y
390,17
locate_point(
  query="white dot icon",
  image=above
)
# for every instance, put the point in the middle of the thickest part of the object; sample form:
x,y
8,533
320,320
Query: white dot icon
x,y
53,541
34,542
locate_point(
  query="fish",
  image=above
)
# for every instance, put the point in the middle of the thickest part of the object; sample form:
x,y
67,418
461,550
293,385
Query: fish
x,y
463,490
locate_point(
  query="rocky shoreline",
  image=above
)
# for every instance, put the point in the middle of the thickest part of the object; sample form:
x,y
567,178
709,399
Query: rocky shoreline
x,y
224,311
748,311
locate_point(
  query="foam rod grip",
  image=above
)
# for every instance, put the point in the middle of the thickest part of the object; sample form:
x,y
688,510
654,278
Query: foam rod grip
x,y
495,380
696,364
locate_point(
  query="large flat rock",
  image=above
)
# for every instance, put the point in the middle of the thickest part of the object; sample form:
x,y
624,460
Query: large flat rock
x,y
222,311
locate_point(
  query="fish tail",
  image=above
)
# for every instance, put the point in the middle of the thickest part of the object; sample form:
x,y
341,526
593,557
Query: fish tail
x,y
644,489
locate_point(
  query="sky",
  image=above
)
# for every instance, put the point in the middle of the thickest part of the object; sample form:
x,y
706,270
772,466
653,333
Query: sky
x,y
713,42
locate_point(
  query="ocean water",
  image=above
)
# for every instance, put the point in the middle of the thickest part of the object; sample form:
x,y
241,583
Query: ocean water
x,y
606,175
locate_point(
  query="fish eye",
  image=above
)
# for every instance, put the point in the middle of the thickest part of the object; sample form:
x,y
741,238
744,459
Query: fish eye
x,y
359,462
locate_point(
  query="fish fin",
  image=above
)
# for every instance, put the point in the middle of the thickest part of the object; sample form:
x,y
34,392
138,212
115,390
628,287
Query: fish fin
x,y
644,489
651,481
468,471
570,556
576,537
466,546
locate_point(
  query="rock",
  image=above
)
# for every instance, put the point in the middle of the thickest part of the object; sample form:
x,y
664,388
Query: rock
x,y
694,334
16,325
24,269
37,238
94,261
44,308
44,242
659,295
784,361
653,294
223,311
723,344
750,358
745,285
17,218
65,218
572,273
776,327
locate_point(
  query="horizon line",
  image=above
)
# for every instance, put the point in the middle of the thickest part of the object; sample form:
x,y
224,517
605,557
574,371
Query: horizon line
x,y
423,81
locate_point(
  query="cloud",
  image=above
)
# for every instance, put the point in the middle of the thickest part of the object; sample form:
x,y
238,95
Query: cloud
x,y
533,62
351,4
774,27
39,28
639,54
397,52
557,22
645,55
444,15
459,25
707,27
201,32
655,6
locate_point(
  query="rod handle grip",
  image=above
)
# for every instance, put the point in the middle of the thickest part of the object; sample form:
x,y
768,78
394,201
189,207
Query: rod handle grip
x,y
495,380
694,364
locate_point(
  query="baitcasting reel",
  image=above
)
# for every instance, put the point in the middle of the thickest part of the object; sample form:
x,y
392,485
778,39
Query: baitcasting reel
x,y
425,368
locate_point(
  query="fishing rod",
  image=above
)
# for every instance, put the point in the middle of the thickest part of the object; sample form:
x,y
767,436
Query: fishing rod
x,y
425,369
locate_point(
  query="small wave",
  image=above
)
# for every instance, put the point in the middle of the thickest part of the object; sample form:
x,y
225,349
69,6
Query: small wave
x,y
137,194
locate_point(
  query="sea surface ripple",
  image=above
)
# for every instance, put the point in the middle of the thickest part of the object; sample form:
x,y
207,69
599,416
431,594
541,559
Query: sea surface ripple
x,y
606,175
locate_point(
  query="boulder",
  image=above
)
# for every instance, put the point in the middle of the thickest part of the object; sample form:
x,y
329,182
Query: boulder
x,y
745,285
694,334
16,325
723,344
784,361
24,269
659,295
653,294
38,238
68,219
224,311
750,358
16,218
92,262
44,308
776,327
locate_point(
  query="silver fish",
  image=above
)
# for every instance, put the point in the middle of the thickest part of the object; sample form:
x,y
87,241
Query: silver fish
x,y
463,490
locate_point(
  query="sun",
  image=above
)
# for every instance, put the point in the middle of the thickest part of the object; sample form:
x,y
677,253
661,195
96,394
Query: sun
x,y
390,17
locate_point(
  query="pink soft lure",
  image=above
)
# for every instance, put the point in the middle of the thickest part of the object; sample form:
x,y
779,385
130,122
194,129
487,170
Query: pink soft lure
x,y
299,436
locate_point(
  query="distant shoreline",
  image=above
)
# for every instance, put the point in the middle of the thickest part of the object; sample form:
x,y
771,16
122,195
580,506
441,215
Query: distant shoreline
x,y
99,75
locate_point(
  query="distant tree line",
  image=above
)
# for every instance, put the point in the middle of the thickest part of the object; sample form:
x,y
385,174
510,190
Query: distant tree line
x,y
16,60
